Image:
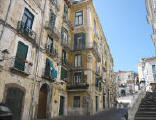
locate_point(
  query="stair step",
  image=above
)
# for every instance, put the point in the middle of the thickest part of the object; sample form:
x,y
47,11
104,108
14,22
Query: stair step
x,y
145,118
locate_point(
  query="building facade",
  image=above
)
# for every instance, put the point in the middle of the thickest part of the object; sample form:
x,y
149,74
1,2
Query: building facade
x,y
54,59
127,82
151,18
147,73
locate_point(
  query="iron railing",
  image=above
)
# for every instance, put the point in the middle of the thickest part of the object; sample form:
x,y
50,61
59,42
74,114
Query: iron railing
x,y
52,29
26,31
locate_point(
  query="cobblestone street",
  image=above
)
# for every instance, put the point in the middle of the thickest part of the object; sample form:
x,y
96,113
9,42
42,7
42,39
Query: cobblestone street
x,y
111,114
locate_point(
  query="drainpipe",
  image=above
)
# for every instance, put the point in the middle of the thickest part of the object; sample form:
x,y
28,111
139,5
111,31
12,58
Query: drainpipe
x,y
37,63
6,17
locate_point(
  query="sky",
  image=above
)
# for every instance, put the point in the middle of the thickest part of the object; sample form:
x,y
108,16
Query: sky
x,y
127,31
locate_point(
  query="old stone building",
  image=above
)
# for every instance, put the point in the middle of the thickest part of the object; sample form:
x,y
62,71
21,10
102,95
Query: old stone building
x,y
127,82
54,59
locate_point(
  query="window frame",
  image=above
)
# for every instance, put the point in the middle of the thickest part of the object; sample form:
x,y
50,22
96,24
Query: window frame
x,y
79,80
49,46
77,105
28,16
78,18
78,60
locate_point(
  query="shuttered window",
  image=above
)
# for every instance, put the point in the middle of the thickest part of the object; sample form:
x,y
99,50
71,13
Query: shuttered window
x,y
52,18
79,41
64,74
22,51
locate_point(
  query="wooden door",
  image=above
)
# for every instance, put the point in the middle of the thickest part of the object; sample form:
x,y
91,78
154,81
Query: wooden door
x,y
42,103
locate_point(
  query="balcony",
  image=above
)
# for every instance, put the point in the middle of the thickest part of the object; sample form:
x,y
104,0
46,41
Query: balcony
x,y
55,4
52,52
17,65
104,68
77,86
66,63
52,30
94,51
67,21
47,75
26,32
65,45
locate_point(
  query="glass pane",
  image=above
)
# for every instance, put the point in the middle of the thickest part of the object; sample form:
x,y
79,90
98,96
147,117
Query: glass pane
x,y
76,20
80,20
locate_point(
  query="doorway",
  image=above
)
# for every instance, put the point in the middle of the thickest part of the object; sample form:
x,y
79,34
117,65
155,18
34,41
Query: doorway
x,y
62,101
42,102
14,99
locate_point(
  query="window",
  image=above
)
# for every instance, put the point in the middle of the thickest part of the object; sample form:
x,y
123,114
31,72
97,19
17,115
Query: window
x,y
64,74
64,56
65,15
55,1
97,82
78,18
153,68
95,46
27,20
95,27
22,51
154,76
64,36
96,67
49,45
76,102
79,41
50,71
78,77
52,18
78,60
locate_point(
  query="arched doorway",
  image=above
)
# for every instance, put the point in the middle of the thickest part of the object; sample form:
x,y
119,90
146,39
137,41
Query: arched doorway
x,y
42,102
14,99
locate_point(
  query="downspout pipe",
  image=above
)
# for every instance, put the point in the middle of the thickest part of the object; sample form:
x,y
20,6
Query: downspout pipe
x,y
37,63
6,18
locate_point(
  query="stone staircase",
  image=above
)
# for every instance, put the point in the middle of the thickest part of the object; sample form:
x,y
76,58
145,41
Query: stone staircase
x,y
147,108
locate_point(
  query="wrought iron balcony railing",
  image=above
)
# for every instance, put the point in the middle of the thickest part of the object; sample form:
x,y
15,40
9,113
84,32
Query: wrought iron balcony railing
x,y
26,31
51,52
52,29
77,85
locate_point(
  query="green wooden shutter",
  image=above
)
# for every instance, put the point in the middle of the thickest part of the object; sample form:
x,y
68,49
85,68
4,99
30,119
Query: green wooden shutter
x,y
22,51
75,40
83,40
62,72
